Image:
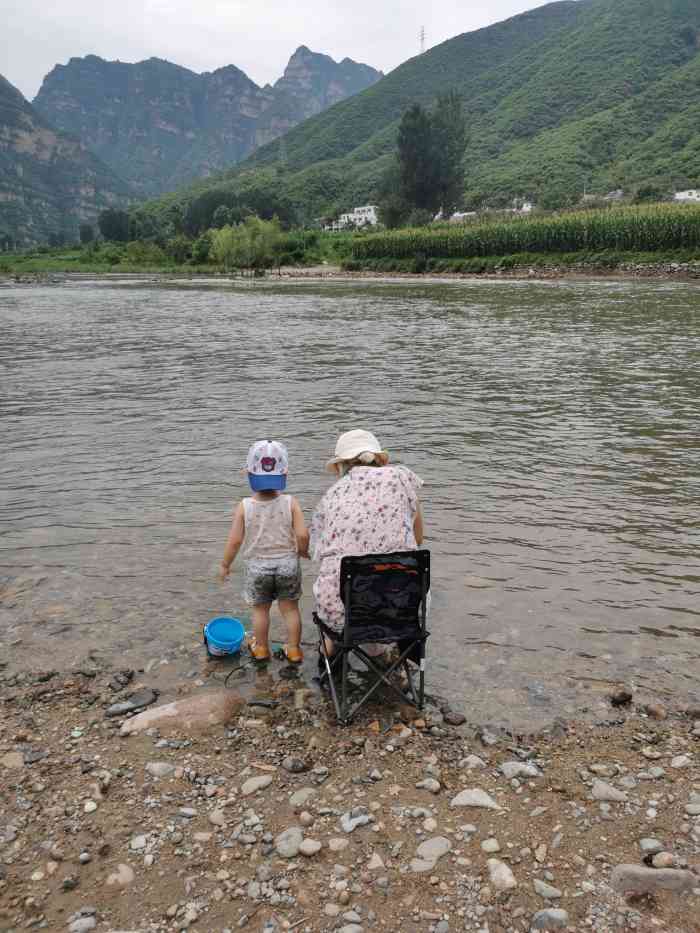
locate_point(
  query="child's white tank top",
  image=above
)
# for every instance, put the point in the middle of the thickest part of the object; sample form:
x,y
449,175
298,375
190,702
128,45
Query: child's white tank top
x,y
268,528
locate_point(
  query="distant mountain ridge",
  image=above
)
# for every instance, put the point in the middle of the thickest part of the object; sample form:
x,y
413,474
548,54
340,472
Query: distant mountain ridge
x,y
49,183
159,125
574,95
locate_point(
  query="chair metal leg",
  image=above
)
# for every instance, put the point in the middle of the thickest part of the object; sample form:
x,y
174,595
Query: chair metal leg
x,y
329,675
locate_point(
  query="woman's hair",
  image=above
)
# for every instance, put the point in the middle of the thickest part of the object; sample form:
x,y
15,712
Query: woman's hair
x,y
364,459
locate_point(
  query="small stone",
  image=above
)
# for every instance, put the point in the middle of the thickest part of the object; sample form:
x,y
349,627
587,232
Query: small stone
x,y
375,863
137,843
472,763
306,819
288,843
90,806
295,765
500,875
12,761
353,818
637,879
656,711
603,791
664,860
519,769
136,701
491,846
310,847
681,761
429,784
160,769
650,846
621,697
188,813
122,877
337,845
433,849
454,719
255,784
82,925
217,817
552,919
546,890
474,798
302,797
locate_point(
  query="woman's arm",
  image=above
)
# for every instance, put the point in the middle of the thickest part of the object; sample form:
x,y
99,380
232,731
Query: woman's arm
x,y
418,526
233,542
300,531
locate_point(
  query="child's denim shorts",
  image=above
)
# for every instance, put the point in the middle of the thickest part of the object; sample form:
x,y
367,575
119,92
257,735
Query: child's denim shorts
x,y
270,579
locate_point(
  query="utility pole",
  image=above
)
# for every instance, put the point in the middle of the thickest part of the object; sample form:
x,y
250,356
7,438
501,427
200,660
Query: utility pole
x,y
421,36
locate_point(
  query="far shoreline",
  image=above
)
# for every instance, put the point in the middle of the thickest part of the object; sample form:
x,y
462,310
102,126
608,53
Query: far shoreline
x,y
665,271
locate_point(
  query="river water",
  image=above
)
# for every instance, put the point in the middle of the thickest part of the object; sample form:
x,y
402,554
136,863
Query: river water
x,y
555,425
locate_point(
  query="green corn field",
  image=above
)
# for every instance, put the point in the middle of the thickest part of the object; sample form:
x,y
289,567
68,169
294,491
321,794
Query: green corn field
x,y
633,229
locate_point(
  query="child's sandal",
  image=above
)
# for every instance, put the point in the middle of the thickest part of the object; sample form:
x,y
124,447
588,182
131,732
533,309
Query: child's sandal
x,y
258,652
293,655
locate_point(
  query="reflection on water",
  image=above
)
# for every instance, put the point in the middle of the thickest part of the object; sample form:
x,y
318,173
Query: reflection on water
x,y
555,425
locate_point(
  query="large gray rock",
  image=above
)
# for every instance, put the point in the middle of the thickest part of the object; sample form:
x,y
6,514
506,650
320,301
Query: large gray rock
x,y
636,879
288,843
474,798
551,919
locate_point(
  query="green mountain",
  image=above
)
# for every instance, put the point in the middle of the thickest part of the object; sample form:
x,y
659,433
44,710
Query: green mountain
x,y
49,183
159,125
596,93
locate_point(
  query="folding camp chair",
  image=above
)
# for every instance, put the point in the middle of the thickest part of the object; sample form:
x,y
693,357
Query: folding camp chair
x,y
384,597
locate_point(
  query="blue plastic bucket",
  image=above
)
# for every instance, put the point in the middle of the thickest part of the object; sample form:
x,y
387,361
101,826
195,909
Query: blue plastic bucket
x,y
223,635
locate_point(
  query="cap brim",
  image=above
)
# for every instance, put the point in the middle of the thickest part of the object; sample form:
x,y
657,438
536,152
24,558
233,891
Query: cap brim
x,y
261,481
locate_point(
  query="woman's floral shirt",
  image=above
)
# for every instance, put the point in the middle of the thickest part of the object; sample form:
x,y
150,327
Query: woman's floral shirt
x,y
369,511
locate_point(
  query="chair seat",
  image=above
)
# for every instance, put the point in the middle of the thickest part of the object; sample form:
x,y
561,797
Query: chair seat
x,y
374,634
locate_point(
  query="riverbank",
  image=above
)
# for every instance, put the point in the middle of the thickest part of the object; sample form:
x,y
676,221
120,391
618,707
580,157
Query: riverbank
x,y
261,814
680,266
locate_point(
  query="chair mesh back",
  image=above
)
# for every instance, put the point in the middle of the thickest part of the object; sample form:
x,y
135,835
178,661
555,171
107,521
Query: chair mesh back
x,y
385,593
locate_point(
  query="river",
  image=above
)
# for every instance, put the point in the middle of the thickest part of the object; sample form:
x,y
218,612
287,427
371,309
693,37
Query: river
x,y
555,425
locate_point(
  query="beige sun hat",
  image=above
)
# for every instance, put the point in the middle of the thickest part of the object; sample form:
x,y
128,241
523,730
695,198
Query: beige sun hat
x,y
352,444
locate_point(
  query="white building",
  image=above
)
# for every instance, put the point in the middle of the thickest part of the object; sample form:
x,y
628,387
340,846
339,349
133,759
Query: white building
x,y
365,216
692,196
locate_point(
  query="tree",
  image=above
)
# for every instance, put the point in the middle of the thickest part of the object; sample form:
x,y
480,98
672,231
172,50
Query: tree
x,y
114,225
201,248
430,169
254,244
222,217
87,234
393,206
179,248
449,140
417,169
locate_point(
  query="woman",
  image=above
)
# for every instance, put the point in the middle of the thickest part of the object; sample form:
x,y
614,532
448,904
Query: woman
x,y
372,509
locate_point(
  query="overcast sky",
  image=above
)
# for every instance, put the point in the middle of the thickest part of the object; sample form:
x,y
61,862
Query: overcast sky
x,y
257,35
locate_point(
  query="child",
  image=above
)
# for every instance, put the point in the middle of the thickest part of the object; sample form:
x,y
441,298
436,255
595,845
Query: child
x,y
271,528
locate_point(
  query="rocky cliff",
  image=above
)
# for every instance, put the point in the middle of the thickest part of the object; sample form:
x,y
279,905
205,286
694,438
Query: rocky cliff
x,y
49,182
158,125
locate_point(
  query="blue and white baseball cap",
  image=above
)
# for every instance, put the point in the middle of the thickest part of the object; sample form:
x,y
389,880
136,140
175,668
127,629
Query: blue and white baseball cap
x,y
267,465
